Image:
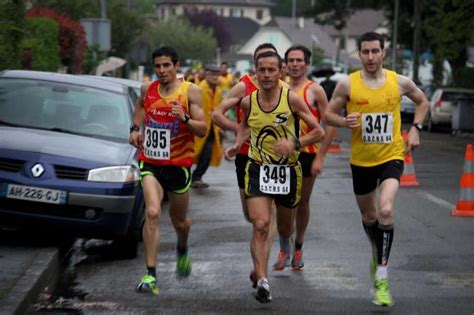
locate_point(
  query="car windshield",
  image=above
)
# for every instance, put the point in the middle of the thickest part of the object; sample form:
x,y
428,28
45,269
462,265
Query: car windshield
x,y
65,108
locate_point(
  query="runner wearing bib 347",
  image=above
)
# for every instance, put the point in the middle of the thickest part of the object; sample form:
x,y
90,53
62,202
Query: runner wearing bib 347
x,y
273,173
372,99
171,113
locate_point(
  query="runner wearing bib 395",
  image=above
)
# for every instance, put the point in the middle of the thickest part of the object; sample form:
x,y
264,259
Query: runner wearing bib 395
x,y
171,113
372,99
272,173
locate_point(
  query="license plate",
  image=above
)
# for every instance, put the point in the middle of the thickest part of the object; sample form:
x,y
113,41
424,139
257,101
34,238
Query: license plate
x,y
33,193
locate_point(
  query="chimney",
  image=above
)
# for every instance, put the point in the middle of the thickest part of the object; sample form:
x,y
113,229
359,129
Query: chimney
x,y
301,22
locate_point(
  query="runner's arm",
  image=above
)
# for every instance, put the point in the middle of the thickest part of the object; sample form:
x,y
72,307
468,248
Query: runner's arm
x,y
136,137
338,101
196,123
236,93
408,87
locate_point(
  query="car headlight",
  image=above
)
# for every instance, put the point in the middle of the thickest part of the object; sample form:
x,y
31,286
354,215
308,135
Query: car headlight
x,y
115,174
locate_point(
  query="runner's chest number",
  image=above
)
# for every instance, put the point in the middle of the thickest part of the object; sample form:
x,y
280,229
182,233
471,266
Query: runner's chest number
x,y
157,143
377,128
275,179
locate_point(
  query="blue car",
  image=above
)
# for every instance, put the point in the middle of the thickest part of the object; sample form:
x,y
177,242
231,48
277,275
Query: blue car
x,y
65,160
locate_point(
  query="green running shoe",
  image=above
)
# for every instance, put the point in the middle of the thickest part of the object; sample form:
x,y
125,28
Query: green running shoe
x,y
382,295
183,265
373,268
148,284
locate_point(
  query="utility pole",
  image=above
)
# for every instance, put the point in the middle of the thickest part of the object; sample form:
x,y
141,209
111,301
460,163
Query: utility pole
x,y
395,35
293,13
103,9
416,40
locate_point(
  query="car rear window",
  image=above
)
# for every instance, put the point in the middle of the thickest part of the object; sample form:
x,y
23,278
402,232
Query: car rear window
x,y
65,107
454,96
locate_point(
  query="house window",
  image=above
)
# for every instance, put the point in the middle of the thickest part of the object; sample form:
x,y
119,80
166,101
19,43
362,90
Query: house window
x,y
241,13
173,11
231,12
259,14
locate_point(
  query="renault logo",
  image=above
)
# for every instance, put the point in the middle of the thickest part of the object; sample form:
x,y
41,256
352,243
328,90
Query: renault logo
x,y
37,170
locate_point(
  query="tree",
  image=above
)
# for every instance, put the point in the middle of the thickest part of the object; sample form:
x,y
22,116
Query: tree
x,y
40,49
189,41
75,10
126,28
72,39
208,19
11,33
450,29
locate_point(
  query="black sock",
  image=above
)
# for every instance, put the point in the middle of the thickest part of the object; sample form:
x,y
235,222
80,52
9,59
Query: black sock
x,y
182,251
298,245
151,271
371,231
384,239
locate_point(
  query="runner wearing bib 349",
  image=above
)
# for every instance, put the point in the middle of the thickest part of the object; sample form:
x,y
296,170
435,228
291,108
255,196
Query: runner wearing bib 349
x,y
272,174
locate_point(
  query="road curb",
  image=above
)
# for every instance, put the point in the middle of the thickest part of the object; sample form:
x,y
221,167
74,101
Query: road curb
x,y
40,273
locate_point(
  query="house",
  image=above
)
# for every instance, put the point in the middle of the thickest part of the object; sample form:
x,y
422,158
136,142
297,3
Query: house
x,y
360,22
255,10
284,32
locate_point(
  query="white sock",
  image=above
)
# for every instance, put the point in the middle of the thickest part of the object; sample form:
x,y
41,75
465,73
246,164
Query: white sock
x,y
262,281
382,273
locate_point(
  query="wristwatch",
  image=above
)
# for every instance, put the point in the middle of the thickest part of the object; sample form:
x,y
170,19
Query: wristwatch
x,y
134,128
297,144
418,126
186,118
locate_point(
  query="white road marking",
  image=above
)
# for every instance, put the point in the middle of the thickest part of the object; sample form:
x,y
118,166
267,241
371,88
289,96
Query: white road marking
x,y
436,200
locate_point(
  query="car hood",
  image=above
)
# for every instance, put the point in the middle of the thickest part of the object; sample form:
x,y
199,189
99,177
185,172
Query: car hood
x,y
66,145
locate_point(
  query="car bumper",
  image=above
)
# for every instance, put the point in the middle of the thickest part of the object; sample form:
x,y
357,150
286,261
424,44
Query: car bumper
x,y
87,215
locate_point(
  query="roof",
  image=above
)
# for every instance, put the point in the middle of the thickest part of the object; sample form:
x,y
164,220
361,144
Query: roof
x,y
248,3
311,34
360,22
63,78
240,29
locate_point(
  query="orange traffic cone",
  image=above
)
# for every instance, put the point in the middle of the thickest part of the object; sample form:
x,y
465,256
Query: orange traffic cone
x,y
465,205
408,177
335,147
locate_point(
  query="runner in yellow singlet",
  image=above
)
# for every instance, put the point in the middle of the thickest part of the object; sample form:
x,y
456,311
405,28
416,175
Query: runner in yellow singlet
x,y
372,100
273,173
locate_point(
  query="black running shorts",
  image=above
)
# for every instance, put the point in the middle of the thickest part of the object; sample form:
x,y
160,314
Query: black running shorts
x,y
306,160
253,187
366,179
175,179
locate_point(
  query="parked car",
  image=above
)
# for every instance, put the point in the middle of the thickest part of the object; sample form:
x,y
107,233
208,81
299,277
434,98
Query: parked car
x,y
136,85
441,105
407,107
65,160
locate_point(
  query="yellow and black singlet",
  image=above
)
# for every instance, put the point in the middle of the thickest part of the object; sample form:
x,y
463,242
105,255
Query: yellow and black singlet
x,y
267,127
378,139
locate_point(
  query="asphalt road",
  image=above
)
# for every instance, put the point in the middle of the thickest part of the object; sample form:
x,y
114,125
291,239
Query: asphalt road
x,y
431,268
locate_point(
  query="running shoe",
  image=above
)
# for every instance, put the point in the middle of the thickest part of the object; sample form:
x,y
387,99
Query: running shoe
x,y
183,264
283,261
253,278
263,291
382,295
148,284
373,268
297,263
